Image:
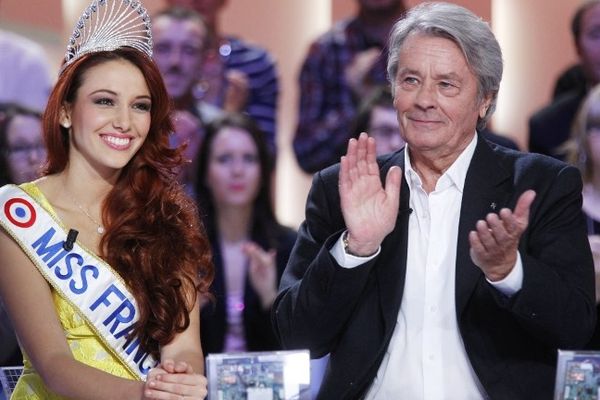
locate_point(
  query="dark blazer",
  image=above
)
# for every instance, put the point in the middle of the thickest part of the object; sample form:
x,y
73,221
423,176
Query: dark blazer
x,y
493,137
511,342
551,126
257,322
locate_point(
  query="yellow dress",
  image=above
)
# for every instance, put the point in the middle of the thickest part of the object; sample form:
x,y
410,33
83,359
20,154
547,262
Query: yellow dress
x,y
82,340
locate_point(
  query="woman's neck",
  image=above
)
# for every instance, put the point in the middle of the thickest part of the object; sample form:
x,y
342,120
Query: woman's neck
x,y
89,191
233,223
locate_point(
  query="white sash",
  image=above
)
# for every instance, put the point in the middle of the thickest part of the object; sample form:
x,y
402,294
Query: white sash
x,y
88,283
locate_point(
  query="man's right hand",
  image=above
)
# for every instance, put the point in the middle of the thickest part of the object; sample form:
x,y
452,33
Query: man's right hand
x,y
369,210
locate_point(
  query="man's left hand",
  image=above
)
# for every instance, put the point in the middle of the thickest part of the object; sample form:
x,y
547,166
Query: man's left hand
x,y
495,240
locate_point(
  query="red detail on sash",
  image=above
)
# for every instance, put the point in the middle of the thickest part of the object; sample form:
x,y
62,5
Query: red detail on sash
x,y
18,220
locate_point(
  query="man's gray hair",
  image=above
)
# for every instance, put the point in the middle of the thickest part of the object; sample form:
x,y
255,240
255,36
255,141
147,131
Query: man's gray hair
x,y
471,34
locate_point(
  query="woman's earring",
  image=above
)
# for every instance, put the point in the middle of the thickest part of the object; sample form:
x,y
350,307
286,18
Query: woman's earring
x,y
65,124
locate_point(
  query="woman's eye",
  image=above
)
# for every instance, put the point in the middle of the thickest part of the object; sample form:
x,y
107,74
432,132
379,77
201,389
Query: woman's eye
x,y
143,106
104,101
250,158
224,158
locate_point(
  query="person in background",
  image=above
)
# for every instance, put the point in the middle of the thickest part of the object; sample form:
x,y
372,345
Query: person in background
x,y
21,144
583,151
104,260
180,40
24,72
250,248
377,116
550,127
341,68
237,76
22,153
570,79
462,275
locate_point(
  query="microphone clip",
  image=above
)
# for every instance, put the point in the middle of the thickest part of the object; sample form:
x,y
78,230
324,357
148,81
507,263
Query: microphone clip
x,y
71,237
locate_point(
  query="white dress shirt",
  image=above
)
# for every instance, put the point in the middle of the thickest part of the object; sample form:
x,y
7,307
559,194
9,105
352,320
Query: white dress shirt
x,y
426,357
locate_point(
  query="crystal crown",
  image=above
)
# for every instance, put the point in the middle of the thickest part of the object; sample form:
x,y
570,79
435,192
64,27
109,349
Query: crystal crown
x,y
107,25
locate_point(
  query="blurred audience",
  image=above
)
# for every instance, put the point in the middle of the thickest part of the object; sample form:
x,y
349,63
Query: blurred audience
x,y
377,116
180,40
235,75
571,79
340,69
21,143
250,248
583,150
550,127
24,72
22,153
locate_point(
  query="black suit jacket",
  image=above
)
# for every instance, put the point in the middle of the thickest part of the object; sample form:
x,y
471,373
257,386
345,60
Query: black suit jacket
x,y
511,342
257,322
551,126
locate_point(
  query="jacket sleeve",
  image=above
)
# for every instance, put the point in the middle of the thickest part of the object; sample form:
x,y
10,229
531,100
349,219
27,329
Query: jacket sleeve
x,y
557,301
317,296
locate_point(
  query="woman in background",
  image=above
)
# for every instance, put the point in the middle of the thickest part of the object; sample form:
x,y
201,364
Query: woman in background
x,y
583,150
22,153
250,248
22,149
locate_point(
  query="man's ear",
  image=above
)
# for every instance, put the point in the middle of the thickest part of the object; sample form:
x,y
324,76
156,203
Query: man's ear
x,y
485,105
65,116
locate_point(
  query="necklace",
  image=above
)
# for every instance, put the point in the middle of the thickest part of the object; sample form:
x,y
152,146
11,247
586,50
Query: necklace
x,y
100,228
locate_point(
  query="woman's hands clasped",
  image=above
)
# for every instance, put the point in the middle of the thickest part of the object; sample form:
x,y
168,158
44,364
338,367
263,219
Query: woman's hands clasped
x,y
175,381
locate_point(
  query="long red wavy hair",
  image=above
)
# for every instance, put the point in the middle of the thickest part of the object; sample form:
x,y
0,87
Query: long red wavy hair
x,y
153,238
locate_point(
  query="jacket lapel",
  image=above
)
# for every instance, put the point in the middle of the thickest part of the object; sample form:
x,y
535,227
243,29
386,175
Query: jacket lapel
x,y
487,189
391,267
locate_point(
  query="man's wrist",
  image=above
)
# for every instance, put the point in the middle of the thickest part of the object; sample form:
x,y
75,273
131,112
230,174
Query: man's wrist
x,y
357,251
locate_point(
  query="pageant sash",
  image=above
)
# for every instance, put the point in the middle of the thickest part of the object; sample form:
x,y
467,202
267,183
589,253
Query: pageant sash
x,y
87,282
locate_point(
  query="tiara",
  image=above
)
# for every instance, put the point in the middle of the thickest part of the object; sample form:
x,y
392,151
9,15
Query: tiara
x,y
107,25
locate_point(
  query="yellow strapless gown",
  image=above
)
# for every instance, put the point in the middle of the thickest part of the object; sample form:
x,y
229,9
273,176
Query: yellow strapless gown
x,y
84,344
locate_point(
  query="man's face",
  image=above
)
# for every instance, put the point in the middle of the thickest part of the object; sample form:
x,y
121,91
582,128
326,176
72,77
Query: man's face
x,y
436,97
588,46
207,8
178,49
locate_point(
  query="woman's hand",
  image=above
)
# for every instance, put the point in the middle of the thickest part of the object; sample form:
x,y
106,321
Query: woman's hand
x,y
175,381
262,273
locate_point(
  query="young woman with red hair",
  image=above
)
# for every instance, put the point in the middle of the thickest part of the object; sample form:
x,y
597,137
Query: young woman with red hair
x,y
109,180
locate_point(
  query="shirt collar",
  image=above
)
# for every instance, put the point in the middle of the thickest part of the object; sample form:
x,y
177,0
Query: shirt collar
x,y
456,174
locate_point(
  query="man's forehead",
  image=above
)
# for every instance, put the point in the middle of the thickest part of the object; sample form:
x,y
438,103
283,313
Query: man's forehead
x,y
446,53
